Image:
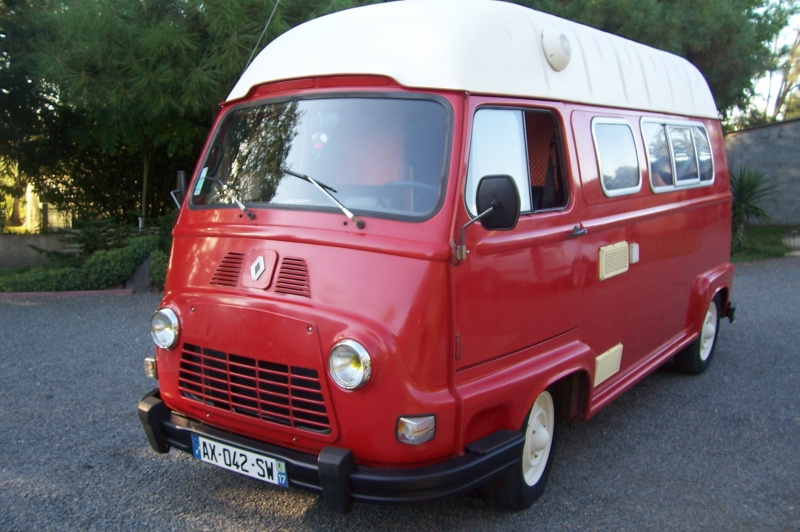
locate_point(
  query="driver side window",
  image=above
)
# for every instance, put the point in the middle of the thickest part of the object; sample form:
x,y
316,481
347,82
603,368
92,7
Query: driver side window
x,y
524,145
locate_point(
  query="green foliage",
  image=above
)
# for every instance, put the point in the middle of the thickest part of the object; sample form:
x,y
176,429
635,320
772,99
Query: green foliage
x,y
26,106
158,267
789,74
753,117
157,270
762,242
792,109
727,40
111,267
102,270
98,235
140,82
103,100
164,225
748,187
87,237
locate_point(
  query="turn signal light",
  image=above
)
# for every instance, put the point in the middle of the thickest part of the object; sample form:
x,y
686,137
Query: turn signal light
x,y
416,430
150,367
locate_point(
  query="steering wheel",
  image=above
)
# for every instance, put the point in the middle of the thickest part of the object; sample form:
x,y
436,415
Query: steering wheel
x,y
391,195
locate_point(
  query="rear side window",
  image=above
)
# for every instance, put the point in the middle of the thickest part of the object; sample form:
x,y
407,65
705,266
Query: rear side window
x,y
704,162
616,157
678,154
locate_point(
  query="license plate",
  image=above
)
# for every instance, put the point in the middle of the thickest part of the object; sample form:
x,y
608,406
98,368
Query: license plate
x,y
245,462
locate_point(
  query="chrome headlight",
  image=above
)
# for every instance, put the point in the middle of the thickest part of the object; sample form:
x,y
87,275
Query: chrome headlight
x,y
349,364
165,328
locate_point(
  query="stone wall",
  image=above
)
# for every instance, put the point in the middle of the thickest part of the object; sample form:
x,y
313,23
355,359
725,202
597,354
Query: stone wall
x,y
14,250
775,150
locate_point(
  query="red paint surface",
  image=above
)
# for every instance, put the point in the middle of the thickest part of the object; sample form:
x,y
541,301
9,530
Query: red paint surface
x,y
527,306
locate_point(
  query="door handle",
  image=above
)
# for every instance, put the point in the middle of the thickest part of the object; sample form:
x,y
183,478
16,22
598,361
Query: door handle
x,y
578,231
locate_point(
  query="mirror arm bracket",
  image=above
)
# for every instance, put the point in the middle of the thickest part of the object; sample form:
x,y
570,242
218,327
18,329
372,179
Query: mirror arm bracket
x,y
174,198
461,249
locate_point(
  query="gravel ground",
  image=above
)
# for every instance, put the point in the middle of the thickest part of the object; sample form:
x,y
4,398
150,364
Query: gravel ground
x,y
720,451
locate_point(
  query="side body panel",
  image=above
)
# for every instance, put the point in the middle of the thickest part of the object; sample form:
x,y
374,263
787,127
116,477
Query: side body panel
x,y
681,235
517,299
653,309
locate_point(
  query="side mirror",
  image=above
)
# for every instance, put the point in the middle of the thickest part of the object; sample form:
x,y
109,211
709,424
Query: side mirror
x,y
497,201
182,183
179,193
498,193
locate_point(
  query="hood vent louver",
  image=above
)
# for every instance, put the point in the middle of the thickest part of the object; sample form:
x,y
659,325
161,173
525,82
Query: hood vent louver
x,y
293,278
229,269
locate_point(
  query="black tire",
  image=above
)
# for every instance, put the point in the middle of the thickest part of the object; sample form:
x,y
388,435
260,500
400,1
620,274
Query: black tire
x,y
696,358
512,490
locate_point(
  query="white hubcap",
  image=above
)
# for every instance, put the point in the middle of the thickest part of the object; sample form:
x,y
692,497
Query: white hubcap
x,y
538,438
708,332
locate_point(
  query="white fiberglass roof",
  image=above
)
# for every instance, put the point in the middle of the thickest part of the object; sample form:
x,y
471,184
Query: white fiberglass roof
x,y
482,47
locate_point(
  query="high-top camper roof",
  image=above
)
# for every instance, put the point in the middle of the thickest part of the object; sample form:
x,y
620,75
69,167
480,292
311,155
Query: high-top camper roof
x,y
483,47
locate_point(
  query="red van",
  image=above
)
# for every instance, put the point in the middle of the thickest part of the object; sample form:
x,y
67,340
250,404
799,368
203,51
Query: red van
x,y
420,235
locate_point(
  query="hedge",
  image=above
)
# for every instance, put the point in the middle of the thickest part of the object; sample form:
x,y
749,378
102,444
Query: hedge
x,y
103,269
158,267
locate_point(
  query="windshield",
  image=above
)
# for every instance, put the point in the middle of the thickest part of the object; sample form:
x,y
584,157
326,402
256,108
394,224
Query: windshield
x,y
378,156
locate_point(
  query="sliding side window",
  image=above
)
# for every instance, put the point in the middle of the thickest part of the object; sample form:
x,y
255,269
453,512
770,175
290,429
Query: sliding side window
x,y
658,155
684,158
678,153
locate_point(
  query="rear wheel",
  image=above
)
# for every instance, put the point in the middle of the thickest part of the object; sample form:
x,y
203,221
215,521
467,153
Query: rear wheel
x,y
519,488
696,358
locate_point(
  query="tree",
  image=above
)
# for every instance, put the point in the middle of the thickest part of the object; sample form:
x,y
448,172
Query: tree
x,y
121,94
790,70
133,67
752,118
727,40
26,105
151,73
792,109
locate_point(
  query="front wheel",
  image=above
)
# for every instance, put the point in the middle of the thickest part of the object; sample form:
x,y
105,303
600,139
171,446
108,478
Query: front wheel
x,y
696,358
519,488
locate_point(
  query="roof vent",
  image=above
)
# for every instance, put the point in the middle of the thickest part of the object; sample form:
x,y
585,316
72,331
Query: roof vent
x,y
557,48
228,271
293,278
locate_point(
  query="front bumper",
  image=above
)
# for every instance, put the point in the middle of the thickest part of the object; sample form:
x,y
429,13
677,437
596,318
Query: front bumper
x,y
334,472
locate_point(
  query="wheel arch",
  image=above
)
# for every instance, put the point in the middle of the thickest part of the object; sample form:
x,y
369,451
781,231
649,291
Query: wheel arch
x,y
707,285
501,400
572,394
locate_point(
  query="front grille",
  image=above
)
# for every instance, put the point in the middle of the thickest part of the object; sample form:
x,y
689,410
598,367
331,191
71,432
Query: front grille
x,y
228,271
275,393
293,278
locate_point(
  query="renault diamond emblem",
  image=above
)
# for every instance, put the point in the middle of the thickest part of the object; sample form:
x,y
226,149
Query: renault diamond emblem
x,y
257,268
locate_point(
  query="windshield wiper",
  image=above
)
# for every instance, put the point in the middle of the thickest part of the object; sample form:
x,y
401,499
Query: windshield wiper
x,y
324,189
231,193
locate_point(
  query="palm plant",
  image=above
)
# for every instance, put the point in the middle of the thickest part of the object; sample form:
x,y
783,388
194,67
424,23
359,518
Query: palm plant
x,y
748,187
